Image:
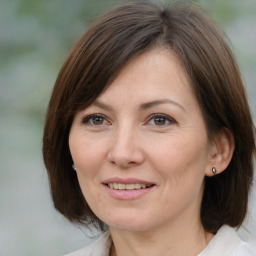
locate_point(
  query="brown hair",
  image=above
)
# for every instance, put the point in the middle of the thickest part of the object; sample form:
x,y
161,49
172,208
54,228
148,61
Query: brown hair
x,y
96,59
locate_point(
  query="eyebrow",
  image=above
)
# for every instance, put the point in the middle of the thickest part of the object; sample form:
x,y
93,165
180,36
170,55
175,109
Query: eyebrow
x,y
143,106
154,103
102,105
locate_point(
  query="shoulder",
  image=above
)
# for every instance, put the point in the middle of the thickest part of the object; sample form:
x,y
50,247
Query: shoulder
x,y
227,243
99,247
246,249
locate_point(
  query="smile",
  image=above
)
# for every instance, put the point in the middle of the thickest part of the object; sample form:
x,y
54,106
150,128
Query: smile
x,y
127,189
121,186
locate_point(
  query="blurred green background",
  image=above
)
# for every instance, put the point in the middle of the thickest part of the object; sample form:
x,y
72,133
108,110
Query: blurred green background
x,y
35,38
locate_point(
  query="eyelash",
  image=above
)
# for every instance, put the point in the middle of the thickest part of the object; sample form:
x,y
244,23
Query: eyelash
x,y
88,120
162,116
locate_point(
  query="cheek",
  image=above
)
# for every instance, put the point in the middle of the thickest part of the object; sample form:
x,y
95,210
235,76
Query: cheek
x,y
88,158
180,156
87,154
182,167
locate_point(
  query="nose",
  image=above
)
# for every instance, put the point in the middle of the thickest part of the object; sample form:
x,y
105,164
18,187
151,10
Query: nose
x,y
125,150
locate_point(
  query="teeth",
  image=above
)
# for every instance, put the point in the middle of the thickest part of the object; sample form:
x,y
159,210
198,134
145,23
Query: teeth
x,y
121,186
130,186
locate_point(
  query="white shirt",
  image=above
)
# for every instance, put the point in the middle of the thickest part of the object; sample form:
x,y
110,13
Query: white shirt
x,y
225,243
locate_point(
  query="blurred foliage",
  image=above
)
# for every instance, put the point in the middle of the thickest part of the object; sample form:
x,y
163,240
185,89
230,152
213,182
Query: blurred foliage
x,y
34,41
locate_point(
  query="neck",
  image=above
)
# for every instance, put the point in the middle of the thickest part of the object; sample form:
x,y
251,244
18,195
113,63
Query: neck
x,y
189,240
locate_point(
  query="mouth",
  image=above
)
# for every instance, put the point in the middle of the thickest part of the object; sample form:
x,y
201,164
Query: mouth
x,y
127,189
131,186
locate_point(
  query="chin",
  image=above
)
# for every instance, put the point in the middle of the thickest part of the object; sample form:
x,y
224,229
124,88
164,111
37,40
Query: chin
x,y
130,227
130,223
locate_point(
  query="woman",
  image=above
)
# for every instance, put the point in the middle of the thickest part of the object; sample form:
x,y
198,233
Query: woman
x,y
149,135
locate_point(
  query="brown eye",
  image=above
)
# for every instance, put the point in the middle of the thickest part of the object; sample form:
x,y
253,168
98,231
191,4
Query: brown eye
x,y
95,119
160,121
98,120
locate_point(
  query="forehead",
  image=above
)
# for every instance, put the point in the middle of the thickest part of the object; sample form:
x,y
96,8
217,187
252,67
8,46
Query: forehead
x,y
157,71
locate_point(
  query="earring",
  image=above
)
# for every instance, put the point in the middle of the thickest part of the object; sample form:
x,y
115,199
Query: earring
x,y
74,167
214,170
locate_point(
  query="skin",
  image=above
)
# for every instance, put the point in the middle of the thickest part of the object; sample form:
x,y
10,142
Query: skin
x,y
172,151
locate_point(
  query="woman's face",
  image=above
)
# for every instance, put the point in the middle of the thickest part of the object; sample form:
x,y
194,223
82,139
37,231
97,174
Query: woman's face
x,y
141,149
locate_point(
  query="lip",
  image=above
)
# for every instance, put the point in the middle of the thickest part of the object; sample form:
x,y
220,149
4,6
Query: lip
x,y
127,181
127,194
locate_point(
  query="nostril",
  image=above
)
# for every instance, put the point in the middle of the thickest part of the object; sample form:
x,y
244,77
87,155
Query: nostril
x,y
124,164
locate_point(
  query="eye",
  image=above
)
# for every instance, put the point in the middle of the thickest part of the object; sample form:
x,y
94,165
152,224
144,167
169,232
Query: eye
x,y
95,120
160,120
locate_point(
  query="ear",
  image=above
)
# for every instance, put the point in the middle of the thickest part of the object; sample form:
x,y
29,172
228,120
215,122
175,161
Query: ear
x,y
222,149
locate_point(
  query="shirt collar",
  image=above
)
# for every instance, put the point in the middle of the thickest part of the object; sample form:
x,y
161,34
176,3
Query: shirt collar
x,y
224,243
